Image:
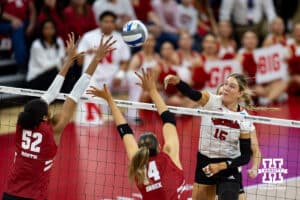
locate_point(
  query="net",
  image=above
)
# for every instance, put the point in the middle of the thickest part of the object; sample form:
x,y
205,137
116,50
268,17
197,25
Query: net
x,y
91,162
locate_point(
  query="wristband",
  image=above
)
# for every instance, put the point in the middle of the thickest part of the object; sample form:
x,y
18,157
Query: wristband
x,y
124,129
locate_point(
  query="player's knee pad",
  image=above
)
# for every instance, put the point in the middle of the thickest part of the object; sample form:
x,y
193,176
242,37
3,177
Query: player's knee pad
x,y
228,191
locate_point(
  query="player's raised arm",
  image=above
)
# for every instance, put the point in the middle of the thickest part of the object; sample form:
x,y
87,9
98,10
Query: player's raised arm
x,y
171,141
124,129
57,83
62,118
200,97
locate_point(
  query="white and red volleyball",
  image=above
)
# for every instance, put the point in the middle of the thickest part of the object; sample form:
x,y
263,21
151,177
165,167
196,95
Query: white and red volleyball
x,y
134,33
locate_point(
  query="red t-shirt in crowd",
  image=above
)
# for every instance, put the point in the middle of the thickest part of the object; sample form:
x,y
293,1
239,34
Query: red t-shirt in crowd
x,y
18,8
79,24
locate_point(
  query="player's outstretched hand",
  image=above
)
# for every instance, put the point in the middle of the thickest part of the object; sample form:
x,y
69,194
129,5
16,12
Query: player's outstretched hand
x,y
71,47
147,80
171,79
104,93
252,173
104,47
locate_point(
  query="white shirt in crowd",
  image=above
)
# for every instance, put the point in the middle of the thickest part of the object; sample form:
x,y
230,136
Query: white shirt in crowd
x,y
219,138
120,8
187,18
44,58
241,14
109,66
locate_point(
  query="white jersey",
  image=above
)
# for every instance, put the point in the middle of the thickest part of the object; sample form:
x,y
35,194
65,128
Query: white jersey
x,y
219,138
225,50
109,66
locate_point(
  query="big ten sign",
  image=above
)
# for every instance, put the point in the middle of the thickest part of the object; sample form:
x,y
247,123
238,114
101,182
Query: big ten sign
x,y
219,70
270,64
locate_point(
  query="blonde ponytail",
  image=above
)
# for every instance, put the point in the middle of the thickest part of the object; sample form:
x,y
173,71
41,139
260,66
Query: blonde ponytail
x,y
137,168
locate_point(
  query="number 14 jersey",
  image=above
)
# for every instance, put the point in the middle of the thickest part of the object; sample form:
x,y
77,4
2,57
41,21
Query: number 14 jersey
x,y
30,173
165,180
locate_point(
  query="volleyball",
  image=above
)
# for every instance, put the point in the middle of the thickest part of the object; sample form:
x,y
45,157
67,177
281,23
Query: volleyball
x,y
134,33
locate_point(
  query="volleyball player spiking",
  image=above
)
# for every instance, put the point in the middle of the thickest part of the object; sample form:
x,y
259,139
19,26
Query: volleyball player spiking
x,y
157,172
224,144
35,147
255,156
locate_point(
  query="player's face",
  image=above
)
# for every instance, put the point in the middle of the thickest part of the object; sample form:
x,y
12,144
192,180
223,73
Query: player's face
x,y
210,45
79,2
225,29
107,25
250,41
185,41
231,91
48,30
277,26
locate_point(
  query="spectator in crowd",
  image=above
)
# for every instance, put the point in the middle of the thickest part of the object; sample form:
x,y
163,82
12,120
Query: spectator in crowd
x,y
144,12
79,17
187,17
294,62
277,34
206,19
268,92
122,8
245,55
167,12
187,58
227,45
167,66
46,56
1,8
115,63
287,10
52,9
209,53
18,21
144,59
247,15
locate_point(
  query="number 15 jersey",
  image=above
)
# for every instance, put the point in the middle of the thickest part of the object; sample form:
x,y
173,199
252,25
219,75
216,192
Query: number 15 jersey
x,y
30,173
165,180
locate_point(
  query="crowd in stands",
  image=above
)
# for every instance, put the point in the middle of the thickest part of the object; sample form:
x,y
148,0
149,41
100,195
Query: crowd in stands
x,y
201,41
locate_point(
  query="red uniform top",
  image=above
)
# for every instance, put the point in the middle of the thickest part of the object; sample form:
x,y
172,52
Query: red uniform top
x,y
294,61
249,66
199,75
166,180
165,71
30,173
79,24
18,9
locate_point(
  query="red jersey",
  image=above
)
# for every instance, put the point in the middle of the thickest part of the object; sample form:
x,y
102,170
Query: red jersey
x,y
18,8
79,24
30,173
294,61
166,180
165,71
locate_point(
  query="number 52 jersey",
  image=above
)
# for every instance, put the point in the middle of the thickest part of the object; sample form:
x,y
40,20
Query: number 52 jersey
x,y
165,180
30,173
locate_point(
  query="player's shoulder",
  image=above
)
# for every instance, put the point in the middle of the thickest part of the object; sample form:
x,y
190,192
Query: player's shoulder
x,y
90,35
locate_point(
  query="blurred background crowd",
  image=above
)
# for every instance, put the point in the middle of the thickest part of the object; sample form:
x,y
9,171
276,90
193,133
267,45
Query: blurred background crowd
x,y
183,36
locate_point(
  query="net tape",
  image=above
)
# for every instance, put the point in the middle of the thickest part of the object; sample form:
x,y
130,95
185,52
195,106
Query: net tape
x,y
149,106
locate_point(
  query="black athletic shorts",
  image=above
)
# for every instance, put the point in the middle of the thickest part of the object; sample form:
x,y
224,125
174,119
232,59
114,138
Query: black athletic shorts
x,y
6,196
228,175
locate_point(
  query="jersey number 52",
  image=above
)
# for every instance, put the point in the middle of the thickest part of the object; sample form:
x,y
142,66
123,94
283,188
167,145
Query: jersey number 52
x,y
30,141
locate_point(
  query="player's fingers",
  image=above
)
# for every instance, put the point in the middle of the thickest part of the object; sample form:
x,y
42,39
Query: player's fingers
x,y
108,40
139,76
139,84
110,50
110,44
77,41
102,38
